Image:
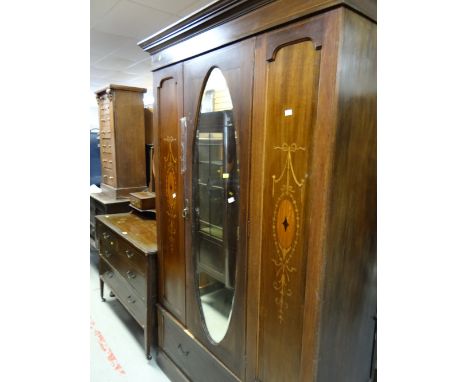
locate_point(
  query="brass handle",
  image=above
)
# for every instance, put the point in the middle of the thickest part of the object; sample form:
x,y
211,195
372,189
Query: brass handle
x,y
129,253
131,275
182,351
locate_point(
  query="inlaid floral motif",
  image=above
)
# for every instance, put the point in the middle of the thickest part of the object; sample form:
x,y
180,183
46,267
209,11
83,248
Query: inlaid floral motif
x,y
286,221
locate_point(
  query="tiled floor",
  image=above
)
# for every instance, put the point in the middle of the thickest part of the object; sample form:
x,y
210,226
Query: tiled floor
x,y
117,350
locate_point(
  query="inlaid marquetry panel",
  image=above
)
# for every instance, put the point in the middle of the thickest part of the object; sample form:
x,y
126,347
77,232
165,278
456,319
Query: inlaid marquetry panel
x,y
172,259
291,91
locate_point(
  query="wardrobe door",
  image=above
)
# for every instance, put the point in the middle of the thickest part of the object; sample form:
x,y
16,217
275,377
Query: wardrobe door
x,y
168,87
217,107
288,66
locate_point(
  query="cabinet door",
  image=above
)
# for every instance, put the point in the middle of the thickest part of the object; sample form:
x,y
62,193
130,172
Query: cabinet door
x,y
170,201
288,66
217,105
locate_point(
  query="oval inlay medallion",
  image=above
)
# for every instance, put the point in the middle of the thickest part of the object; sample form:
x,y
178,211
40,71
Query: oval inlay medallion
x,y
286,223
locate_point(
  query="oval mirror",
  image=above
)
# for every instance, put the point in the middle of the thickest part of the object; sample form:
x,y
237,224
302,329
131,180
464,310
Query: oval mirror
x,y
216,205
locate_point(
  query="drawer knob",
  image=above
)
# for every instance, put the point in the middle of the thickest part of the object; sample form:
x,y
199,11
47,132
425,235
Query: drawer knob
x,y
182,351
129,253
131,300
131,275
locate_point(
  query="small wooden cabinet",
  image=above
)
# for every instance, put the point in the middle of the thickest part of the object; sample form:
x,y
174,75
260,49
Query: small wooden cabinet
x,y
122,139
127,265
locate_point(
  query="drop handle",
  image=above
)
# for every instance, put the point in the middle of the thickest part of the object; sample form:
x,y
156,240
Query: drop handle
x,y
131,300
131,275
182,351
105,235
129,253
107,253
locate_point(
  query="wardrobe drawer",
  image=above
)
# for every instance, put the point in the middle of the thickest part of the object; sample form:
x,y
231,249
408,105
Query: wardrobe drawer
x,y
188,354
123,292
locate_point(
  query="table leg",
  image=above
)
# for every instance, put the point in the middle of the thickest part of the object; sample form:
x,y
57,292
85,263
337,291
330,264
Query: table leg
x,y
101,287
148,340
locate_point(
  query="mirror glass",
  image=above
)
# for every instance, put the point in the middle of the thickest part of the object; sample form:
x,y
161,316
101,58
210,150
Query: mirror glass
x,y
216,205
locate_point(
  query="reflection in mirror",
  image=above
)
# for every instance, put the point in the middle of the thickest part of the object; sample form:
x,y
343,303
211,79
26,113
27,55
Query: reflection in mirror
x,y
216,204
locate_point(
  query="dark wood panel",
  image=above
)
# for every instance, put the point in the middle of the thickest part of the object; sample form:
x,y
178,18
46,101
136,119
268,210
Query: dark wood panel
x,y
290,114
323,145
168,86
236,65
169,368
349,297
167,47
190,356
149,126
129,130
256,209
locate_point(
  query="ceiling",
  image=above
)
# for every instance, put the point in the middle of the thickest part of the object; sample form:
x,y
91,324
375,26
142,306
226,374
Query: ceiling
x,y
116,28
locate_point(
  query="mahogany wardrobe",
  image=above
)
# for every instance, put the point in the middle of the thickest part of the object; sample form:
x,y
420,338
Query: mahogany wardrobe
x,y
265,150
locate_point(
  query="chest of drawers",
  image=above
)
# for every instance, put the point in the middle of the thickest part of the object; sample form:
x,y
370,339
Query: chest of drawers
x,y
127,251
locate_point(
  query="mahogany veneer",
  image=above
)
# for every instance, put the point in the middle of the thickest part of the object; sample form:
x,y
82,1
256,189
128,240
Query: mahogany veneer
x,y
302,79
